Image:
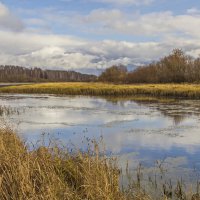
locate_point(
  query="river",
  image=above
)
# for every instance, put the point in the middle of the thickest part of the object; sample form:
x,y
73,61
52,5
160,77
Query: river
x,y
149,133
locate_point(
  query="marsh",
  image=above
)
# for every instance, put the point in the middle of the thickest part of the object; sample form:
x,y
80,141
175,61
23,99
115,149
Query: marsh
x,y
138,131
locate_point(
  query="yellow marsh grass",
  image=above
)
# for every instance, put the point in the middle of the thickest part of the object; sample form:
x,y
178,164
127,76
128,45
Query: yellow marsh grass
x,y
54,174
103,89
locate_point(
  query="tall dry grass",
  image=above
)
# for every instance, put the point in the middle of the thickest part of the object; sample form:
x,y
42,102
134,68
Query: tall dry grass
x,y
53,173
49,173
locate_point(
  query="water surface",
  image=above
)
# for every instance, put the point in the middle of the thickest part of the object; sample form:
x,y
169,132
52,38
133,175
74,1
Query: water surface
x,y
137,131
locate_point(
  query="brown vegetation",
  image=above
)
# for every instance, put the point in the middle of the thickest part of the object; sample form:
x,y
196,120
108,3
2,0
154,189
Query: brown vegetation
x,y
114,74
175,68
52,172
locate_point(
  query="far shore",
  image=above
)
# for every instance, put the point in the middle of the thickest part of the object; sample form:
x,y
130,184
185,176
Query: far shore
x,y
13,84
191,91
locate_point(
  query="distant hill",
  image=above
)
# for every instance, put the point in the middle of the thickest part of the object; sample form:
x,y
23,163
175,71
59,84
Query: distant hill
x,y
9,73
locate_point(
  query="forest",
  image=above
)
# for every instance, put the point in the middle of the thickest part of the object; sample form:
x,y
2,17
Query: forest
x,y
9,73
174,68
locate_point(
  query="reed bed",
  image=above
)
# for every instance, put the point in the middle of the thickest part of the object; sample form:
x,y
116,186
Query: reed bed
x,y
53,173
104,89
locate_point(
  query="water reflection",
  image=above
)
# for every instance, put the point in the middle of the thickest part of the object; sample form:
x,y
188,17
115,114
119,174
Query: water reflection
x,y
135,130
176,109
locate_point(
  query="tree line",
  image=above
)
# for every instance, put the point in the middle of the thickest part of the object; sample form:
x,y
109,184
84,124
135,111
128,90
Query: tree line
x,y
9,73
174,68
177,67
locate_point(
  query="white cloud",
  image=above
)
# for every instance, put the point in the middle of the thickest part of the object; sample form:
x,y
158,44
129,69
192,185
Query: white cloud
x,y
102,15
41,50
66,52
56,51
149,24
193,10
39,45
25,42
8,20
125,2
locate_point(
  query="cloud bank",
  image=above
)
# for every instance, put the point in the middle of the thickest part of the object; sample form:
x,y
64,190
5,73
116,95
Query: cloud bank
x,y
23,41
126,2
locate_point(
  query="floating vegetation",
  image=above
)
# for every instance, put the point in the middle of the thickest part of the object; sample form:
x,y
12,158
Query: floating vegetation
x,y
6,111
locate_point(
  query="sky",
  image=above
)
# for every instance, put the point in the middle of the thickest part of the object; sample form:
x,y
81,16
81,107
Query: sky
x,y
91,35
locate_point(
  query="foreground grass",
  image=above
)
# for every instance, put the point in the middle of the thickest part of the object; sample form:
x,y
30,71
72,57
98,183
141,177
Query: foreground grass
x,y
52,173
103,89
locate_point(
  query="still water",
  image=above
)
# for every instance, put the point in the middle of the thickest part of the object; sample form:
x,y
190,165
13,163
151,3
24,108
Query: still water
x,y
140,132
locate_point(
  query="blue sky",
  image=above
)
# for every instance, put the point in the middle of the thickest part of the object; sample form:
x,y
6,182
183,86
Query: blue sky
x,y
90,35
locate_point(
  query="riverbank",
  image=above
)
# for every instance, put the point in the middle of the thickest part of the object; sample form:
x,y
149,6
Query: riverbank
x,y
103,89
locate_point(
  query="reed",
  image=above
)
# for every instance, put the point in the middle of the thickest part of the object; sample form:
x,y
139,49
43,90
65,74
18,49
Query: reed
x,y
103,89
53,172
